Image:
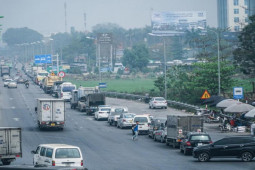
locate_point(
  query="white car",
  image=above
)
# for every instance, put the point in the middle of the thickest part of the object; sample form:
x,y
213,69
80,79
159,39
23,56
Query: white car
x,y
102,112
12,84
144,122
115,114
58,155
158,102
6,82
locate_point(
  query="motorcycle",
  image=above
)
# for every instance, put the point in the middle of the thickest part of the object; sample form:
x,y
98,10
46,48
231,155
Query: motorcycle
x,y
27,85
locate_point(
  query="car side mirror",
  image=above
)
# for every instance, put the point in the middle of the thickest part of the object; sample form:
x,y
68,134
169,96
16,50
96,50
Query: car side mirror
x,y
33,152
35,109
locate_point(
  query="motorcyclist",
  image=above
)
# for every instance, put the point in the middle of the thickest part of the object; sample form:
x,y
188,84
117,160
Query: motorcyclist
x,y
27,83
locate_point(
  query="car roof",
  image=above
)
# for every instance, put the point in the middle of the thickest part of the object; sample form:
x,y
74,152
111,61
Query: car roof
x,y
198,133
58,146
241,136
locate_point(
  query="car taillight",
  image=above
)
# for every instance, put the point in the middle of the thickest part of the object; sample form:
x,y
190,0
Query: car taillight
x,y
123,120
210,142
53,163
17,155
62,123
61,94
43,123
188,143
100,112
81,162
154,102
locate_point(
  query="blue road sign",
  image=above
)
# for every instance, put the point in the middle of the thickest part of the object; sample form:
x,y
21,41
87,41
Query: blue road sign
x,y
238,93
43,59
102,85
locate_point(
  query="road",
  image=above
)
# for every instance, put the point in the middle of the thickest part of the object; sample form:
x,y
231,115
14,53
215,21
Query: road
x,y
103,147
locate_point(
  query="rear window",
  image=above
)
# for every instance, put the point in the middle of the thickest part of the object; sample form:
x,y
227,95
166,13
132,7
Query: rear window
x,y
200,138
141,119
128,116
106,110
68,88
159,99
67,153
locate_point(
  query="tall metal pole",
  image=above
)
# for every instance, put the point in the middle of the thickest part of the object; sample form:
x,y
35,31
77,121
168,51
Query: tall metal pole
x,y
99,63
57,65
165,67
218,41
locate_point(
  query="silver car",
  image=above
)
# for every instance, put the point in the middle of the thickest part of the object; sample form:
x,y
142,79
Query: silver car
x,y
115,114
12,84
6,82
158,102
125,120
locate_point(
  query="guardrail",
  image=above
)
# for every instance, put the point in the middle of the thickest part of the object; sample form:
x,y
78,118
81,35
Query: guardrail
x,y
146,99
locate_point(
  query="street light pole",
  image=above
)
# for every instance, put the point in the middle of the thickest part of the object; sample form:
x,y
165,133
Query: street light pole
x,y
165,67
218,41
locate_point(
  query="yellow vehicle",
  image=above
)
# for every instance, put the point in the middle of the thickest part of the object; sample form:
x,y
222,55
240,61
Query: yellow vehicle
x,y
49,82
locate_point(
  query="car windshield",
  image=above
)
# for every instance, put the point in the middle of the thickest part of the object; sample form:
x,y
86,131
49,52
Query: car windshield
x,y
67,153
8,80
141,119
159,99
200,138
68,88
128,115
115,113
119,110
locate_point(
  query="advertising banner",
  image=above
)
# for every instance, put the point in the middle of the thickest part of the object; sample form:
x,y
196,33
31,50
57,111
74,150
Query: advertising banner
x,y
177,22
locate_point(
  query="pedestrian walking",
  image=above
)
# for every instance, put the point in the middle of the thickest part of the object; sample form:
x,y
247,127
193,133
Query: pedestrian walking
x,y
253,129
135,129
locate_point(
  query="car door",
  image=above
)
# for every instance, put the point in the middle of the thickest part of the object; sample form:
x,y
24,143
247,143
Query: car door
x,y
37,155
41,158
48,157
218,147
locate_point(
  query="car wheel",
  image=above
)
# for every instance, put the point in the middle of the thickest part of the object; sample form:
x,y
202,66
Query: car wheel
x,y
111,123
203,157
181,150
155,139
149,106
161,139
165,107
185,151
247,156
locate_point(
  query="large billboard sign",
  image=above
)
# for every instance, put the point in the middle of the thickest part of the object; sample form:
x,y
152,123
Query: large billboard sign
x,y
104,38
43,59
177,22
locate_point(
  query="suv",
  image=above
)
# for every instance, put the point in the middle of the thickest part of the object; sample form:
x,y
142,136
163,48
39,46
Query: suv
x,y
194,139
240,146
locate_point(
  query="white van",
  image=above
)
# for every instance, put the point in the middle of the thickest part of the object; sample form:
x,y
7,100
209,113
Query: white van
x,y
144,122
65,89
58,155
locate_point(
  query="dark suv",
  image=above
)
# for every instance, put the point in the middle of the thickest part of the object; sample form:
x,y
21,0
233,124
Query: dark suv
x,y
194,139
240,147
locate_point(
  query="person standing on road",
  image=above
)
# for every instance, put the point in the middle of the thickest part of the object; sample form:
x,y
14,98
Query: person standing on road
x,y
253,129
135,129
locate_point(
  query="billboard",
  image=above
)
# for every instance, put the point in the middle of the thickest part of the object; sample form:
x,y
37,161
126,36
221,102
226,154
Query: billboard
x,y
177,22
43,59
104,38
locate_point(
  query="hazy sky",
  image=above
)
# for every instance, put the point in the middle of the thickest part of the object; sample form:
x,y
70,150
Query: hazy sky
x,y
47,16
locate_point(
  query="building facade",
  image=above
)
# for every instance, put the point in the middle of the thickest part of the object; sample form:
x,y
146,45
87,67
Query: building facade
x,y
234,14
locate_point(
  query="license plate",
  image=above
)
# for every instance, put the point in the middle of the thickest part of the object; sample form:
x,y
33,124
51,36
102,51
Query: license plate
x,y
52,124
199,144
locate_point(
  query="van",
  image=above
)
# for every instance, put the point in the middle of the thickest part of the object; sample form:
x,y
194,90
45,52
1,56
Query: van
x,y
144,122
65,89
57,155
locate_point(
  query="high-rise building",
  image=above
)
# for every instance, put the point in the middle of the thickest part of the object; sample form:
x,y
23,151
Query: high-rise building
x,y
234,14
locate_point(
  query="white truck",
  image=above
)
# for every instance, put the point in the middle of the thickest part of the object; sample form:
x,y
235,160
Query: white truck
x,y
179,125
10,144
51,113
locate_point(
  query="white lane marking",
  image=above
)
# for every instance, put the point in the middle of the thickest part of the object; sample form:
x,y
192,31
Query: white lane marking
x,y
89,118
13,107
16,119
11,98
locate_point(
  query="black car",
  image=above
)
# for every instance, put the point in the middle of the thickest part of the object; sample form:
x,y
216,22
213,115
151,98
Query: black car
x,y
239,146
194,139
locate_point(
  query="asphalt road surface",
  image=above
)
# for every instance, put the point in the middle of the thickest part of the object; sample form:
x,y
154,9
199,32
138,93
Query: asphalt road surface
x,y
103,147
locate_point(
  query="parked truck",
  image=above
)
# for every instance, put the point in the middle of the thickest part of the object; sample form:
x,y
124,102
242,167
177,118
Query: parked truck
x,y
89,98
5,70
74,99
51,113
179,125
49,82
10,144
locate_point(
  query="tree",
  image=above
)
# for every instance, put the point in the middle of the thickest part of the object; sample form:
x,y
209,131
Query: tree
x,y
15,36
137,57
244,54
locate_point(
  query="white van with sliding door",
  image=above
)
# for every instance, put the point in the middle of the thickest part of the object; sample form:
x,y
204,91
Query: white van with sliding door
x,y
65,89
58,155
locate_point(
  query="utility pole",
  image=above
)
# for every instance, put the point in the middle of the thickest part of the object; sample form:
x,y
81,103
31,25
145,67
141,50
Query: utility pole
x,y
65,18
